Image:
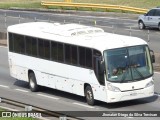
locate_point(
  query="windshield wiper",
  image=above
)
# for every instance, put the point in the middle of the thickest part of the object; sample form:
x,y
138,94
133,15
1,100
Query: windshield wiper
x,y
135,68
124,74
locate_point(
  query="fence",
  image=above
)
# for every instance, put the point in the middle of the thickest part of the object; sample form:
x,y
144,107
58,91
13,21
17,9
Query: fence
x,y
5,21
91,6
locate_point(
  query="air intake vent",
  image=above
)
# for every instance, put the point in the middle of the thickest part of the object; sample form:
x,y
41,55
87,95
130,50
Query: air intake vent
x,y
69,29
88,31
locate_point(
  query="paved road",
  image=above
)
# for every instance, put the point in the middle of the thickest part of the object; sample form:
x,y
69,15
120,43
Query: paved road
x,y
62,101
119,24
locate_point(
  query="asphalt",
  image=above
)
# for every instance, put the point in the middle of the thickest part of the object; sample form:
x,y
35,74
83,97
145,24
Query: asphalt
x,y
84,13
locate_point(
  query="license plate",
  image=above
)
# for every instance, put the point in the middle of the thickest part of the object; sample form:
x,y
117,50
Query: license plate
x,y
133,94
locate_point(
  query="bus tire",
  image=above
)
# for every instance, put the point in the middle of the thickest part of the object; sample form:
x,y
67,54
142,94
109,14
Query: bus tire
x,y
89,95
32,82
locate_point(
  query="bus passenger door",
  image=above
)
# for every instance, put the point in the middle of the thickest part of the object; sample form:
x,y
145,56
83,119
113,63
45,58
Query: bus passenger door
x,y
100,93
99,74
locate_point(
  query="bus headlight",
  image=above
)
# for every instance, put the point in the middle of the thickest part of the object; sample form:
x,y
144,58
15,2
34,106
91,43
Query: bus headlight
x,y
149,84
113,88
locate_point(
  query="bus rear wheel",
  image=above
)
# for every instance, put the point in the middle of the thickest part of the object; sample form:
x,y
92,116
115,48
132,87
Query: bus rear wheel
x,y
89,95
32,82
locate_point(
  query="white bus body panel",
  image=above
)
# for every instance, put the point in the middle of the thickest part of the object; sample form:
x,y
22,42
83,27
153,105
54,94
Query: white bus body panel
x,y
56,75
67,77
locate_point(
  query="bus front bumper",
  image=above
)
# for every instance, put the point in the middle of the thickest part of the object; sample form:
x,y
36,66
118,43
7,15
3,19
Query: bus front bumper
x,y
129,95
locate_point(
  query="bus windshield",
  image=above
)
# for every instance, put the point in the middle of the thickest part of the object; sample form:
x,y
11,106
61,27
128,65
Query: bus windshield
x,y
128,64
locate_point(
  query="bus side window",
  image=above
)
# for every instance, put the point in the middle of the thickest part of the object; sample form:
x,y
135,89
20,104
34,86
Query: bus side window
x,y
88,58
82,56
41,48
19,43
74,55
34,47
85,57
60,52
54,51
96,65
47,49
68,54
44,49
28,45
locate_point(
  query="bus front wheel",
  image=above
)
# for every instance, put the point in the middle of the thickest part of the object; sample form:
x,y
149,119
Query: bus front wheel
x,y
89,95
32,82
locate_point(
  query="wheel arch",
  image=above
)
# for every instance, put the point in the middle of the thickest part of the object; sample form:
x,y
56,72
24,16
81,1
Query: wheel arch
x,y
30,71
85,85
140,20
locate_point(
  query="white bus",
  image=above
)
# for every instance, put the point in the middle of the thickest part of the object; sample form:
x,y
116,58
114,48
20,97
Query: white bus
x,y
82,60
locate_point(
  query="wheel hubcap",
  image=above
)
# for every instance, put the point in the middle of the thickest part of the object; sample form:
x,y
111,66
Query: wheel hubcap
x,y
32,83
89,95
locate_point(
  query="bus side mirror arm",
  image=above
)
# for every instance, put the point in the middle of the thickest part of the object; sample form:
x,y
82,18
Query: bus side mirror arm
x,y
152,56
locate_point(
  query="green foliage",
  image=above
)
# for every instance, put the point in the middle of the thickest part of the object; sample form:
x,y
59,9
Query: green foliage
x,y
37,3
20,3
147,4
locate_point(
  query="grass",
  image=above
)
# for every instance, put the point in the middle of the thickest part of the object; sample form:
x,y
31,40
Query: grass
x,y
20,3
147,4
37,3
2,109
133,3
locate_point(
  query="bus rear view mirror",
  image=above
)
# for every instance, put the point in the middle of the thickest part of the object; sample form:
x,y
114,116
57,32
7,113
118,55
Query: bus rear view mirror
x,y
102,68
152,56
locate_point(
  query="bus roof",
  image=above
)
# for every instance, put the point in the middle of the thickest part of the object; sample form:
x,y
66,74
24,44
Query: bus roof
x,y
75,34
